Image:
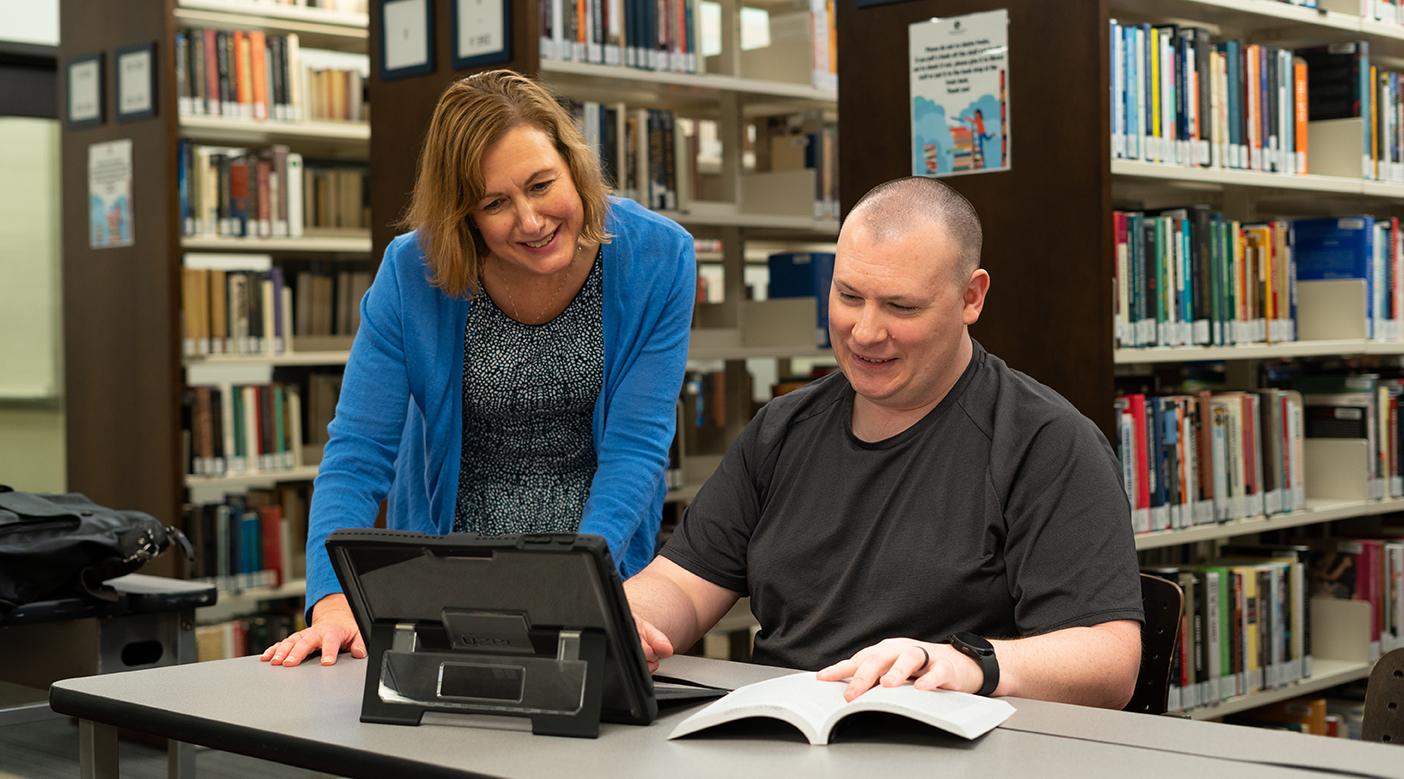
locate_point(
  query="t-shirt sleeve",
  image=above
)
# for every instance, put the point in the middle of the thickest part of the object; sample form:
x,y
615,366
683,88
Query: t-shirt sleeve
x,y
1070,554
714,535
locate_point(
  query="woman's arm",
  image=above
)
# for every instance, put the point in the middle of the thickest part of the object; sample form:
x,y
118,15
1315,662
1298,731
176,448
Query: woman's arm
x,y
357,464
640,418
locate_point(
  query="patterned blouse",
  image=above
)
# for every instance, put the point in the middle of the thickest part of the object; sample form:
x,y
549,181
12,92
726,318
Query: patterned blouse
x,y
529,396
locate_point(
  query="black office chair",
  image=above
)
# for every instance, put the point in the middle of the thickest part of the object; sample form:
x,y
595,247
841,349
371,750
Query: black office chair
x,y
1384,701
1164,603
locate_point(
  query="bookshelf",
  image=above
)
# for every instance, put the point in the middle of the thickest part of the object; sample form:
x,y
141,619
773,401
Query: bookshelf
x,y
125,371
1049,242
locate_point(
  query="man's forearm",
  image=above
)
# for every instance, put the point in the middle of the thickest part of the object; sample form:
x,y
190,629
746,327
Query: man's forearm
x,y
1092,666
656,599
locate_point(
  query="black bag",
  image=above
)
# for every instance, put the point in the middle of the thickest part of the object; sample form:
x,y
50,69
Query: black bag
x,y
54,545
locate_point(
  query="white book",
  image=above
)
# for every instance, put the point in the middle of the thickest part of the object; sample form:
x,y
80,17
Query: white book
x,y
815,707
294,194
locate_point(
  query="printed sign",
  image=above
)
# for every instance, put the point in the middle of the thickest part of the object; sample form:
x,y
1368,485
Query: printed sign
x,y
959,92
110,194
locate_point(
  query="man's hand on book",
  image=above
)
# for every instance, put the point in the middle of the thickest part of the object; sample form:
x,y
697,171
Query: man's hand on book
x,y
333,630
895,660
656,646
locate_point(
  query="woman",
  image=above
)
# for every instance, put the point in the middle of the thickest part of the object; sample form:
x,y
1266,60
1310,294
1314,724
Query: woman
x,y
520,353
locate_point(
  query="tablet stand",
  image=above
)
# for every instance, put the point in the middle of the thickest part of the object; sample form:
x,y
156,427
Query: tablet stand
x,y
485,663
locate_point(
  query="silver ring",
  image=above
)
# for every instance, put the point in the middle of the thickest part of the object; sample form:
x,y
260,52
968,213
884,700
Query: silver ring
x,y
925,660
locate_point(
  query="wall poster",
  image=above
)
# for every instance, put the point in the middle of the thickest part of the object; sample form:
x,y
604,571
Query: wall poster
x,y
110,194
959,92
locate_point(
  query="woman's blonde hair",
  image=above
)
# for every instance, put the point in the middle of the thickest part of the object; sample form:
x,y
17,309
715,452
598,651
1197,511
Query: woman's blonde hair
x,y
472,115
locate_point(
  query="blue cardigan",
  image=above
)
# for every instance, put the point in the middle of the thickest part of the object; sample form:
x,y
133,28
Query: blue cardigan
x,y
398,431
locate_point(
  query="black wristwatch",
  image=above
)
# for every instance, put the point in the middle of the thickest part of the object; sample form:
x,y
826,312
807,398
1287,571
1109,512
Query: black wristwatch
x,y
981,651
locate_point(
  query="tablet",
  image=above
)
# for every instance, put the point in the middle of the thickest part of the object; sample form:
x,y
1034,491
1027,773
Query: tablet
x,y
493,624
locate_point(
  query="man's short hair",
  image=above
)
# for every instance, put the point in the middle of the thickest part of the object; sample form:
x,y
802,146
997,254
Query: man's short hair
x,y
895,208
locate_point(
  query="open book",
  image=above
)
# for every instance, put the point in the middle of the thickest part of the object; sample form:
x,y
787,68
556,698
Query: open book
x,y
815,707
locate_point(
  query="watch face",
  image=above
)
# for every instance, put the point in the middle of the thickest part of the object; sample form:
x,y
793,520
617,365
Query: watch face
x,y
973,641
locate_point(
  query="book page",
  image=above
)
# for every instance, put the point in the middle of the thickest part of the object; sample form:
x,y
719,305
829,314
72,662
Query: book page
x,y
961,713
815,707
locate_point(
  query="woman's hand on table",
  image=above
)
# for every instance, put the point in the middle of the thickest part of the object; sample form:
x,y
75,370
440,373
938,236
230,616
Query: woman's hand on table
x,y
332,631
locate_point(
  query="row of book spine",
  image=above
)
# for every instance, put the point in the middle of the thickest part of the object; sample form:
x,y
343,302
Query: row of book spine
x,y
1177,98
659,35
341,6
267,311
1388,11
1362,407
249,540
1206,458
1190,276
261,76
801,141
267,193
1367,569
239,429
244,636
644,152
1245,628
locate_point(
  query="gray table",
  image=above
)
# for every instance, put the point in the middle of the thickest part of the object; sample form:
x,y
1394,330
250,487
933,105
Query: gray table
x,y
309,716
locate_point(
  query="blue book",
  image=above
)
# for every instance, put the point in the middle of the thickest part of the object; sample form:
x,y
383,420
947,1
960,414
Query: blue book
x,y
187,220
804,274
1155,443
1338,248
1133,116
1235,122
1148,87
250,550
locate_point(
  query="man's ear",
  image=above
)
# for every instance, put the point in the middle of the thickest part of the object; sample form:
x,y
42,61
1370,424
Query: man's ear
x,y
974,296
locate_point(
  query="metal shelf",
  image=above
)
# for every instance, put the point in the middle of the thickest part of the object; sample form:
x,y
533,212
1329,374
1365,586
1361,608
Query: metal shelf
x,y
343,140
1326,673
284,359
669,88
304,473
1158,354
1316,512
358,242
1248,178
316,28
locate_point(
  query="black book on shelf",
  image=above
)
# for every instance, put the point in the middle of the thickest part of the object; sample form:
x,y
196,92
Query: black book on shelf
x,y
1334,79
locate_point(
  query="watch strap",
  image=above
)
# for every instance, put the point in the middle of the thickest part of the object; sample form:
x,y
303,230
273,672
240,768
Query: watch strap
x,y
983,655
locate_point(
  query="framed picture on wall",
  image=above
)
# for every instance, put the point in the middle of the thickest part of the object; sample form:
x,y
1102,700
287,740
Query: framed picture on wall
x,y
482,32
84,83
136,82
407,38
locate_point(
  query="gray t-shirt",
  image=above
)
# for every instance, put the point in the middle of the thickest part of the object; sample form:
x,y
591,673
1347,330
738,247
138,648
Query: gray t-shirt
x,y
1001,512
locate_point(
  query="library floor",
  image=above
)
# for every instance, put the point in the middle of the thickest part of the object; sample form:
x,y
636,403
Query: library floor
x,y
49,750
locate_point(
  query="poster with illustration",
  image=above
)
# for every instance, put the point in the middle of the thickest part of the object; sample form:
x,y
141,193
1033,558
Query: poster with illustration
x,y
110,194
960,94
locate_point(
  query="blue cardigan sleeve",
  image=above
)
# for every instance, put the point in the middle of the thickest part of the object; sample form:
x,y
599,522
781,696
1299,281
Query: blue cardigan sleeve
x,y
644,372
358,462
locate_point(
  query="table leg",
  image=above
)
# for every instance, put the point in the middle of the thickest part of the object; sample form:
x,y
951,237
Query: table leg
x,y
97,750
180,759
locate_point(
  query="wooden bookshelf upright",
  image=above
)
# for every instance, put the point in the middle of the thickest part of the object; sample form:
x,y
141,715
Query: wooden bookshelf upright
x,y
125,373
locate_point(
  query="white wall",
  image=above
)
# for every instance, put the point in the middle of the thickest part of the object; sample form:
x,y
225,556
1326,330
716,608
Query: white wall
x,y
32,435
30,21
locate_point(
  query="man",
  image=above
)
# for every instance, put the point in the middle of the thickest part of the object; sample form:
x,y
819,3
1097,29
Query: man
x,y
926,491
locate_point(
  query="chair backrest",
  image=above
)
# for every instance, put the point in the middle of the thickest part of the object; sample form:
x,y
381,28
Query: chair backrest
x,y
1384,701
1164,603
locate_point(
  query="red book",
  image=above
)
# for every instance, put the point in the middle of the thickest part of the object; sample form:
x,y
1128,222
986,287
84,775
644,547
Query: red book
x,y
212,105
271,530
